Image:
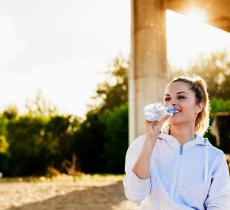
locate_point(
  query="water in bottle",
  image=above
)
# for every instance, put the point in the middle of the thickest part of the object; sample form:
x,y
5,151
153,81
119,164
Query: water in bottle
x,y
157,111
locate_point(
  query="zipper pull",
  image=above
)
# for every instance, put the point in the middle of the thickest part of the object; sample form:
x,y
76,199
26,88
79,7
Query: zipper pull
x,y
181,149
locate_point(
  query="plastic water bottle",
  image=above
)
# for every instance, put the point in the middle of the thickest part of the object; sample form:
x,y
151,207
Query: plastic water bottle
x,y
157,111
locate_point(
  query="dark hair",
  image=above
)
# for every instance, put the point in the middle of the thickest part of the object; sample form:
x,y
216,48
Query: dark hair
x,y
199,87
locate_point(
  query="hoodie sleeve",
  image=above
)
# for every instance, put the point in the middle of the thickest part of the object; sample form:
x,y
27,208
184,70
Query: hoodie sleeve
x,y
219,191
135,188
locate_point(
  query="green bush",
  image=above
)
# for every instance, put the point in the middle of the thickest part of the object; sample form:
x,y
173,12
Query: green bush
x,y
88,144
222,124
219,106
42,139
36,143
102,140
116,133
4,145
28,155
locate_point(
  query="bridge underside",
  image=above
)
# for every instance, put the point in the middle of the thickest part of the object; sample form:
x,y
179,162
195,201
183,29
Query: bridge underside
x,y
217,11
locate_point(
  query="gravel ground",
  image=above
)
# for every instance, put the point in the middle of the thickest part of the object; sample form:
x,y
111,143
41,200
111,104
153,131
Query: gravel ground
x,y
65,193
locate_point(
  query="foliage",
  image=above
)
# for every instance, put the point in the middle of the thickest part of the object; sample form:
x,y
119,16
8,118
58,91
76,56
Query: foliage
x,y
35,141
214,69
220,105
88,144
4,145
102,139
114,91
42,139
116,132
39,106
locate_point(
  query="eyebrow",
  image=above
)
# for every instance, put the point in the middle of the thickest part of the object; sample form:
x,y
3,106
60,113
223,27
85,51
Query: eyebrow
x,y
177,93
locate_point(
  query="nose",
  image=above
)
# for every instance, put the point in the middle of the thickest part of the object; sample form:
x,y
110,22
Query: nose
x,y
172,102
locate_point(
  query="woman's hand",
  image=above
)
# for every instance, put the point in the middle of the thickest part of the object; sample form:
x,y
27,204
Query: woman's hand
x,y
153,128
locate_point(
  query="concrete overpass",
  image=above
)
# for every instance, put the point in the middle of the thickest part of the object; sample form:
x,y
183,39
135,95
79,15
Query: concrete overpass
x,y
148,74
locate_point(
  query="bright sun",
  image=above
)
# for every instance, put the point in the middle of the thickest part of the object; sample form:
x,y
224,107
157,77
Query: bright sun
x,y
188,37
196,14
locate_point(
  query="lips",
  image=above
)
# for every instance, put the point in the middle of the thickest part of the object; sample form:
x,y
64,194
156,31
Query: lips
x,y
177,111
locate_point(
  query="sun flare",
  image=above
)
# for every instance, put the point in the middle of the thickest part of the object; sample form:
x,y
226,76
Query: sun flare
x,y
196,14
187,38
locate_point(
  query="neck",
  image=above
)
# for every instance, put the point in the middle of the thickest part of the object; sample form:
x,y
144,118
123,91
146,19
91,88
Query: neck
x,y
183,133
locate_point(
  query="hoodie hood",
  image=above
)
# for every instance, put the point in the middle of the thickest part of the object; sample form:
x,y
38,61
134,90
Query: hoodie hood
x,y
196,141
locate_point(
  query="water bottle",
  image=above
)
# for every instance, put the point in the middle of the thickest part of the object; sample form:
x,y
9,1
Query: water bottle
x,y
157,111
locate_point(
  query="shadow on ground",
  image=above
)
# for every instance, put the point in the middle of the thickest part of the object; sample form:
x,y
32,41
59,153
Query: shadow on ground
x,y
92,198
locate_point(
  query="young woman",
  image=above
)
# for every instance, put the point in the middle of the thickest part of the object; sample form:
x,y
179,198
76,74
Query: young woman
x,y
173,167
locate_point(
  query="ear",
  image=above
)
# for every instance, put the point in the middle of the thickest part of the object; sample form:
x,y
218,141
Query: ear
x,y
199,107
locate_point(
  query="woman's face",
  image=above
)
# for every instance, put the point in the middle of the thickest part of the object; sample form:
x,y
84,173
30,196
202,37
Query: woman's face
x,y
183,99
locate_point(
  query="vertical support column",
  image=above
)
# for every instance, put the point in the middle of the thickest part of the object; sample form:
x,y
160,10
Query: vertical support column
x,y
148,74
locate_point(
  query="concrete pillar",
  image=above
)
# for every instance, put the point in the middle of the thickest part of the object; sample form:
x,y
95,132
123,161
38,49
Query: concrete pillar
x,y
148,74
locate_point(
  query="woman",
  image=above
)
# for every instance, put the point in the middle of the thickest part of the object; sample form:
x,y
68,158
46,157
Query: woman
x,y
173,167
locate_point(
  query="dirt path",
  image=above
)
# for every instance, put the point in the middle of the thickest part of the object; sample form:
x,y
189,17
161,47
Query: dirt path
x,y
87,193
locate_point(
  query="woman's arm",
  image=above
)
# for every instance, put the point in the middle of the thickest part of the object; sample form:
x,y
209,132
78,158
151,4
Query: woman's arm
x,y
219,192
137,182
142,166
135,187
152,130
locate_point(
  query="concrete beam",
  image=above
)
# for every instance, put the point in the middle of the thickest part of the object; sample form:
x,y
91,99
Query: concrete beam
x,y
148,74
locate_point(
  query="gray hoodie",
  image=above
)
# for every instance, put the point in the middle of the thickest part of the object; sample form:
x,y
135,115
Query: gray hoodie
x,y
182,177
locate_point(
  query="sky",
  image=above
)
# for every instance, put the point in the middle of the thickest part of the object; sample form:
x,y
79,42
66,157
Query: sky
x,y
62,48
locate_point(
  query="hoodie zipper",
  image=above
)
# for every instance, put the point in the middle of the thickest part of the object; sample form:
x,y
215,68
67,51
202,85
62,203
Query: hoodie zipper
x,y
181,149
178,169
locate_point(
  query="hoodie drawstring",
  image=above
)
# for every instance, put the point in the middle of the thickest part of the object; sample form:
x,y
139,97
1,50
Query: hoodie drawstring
x,y
205,162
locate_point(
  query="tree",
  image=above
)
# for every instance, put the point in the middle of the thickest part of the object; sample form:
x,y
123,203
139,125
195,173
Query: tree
x,y
214,69
101,142
39,106
35,141
10,113
114,91
116,133
89,143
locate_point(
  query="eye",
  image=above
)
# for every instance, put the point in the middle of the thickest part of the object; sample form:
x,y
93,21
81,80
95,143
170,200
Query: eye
x,y
181,97
167,99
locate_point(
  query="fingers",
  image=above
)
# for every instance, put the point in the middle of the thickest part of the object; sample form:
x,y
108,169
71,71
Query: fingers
x,y
147,122
164,119
157,122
